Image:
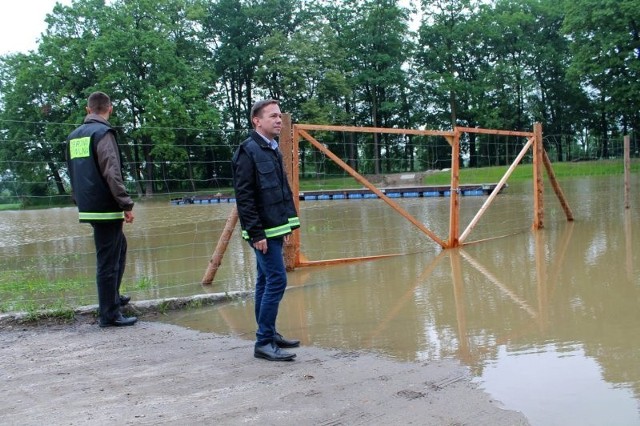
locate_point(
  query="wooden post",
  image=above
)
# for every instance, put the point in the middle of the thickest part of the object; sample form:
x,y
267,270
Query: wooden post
x,y
457,280
295,188
538,184
286,148
627,171
454,202
221,247
556,186
542,279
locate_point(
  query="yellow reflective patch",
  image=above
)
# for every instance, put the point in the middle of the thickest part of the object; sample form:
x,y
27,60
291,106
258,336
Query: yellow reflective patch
x,y
79,148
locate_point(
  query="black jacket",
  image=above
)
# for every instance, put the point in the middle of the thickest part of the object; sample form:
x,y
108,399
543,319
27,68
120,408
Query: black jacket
x,y
265,203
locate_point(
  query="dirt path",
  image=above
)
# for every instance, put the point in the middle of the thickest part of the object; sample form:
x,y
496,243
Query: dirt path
x,y
154,373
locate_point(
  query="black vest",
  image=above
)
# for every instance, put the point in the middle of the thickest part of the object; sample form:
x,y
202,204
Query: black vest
x,y
91,191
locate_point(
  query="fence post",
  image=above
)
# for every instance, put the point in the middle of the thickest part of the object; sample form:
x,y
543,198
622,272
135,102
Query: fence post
x,y
221,247
627,171
287,148
454,202
538,184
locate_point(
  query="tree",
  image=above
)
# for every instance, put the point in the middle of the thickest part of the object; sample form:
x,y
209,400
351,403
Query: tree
x,y
554,100
150,58
234,43
605,45
45,87
375,41
31,148
303,69
453,69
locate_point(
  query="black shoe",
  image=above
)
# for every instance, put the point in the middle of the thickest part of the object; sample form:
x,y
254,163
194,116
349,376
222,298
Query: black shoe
x,y
272,352
119,321
284,343
124,300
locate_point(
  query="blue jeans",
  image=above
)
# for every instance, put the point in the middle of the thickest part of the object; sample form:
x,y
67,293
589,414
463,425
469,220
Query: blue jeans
x,y
270,285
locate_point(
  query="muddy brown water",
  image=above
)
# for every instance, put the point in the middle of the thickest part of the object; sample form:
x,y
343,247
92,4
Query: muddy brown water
x,y
547,322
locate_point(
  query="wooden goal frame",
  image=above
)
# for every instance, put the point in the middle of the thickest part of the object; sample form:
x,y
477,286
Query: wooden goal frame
x,y
291,135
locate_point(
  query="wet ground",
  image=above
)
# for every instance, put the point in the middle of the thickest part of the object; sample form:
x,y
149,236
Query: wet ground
x,y
160,374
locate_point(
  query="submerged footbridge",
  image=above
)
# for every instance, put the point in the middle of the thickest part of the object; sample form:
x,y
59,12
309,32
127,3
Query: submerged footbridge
x,y
356,194
397,192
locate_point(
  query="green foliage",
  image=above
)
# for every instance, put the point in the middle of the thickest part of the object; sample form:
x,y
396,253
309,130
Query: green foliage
x,y
145,54
21,292
58,313
28,290
10,206
525,172
181,72
144,283
310,184
606,60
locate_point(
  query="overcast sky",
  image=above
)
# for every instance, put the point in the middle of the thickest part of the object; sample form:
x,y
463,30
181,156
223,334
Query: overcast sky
x,y
22,22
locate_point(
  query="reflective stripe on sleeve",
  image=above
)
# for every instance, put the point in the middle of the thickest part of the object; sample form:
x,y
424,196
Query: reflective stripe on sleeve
x,y
101,216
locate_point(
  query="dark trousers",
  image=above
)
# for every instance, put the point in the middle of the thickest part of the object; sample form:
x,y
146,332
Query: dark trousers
x,y
270,285
111,255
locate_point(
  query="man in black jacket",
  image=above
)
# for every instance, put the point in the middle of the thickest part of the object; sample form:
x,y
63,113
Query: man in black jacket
x,y
267,216
93,159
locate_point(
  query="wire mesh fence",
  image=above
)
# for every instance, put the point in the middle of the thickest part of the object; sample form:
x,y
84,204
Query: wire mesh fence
x,y
183,194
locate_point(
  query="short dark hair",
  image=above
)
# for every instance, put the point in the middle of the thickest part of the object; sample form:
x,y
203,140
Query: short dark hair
x,y
98,102
257,108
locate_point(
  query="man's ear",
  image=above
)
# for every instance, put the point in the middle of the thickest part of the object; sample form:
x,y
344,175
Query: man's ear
x,y
88,110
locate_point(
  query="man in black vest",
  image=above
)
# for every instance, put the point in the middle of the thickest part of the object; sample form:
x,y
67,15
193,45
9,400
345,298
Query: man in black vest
x,y
93,159
267,215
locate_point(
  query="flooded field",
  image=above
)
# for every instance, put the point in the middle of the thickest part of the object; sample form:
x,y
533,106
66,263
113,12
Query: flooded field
x,y
546,321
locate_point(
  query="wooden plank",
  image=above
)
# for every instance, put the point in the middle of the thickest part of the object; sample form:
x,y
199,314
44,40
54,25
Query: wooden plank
x,y
494,132
357,129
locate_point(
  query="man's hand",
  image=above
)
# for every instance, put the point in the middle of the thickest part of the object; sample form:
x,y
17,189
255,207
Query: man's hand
x,y
261,245
128,216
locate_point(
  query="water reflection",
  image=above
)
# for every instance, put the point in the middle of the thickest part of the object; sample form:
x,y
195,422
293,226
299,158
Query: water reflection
x,y
541,329
558,386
